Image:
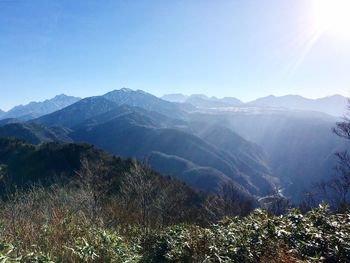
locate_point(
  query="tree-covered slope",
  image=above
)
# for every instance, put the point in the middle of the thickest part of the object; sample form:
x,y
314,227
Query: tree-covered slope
x,y
35,133
139,134
24,164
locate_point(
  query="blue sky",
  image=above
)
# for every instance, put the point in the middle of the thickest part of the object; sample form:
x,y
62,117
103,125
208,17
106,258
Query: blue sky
x,y
240,48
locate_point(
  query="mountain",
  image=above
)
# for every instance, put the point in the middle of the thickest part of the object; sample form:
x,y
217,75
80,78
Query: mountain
x,y
1,112
176,97
144,100
252,147
94,106
333,105
231,100
250,157
202,101
8,121
35,133
202,177
150,117
77,112
26,163
141,134
165,143
37,109
300,147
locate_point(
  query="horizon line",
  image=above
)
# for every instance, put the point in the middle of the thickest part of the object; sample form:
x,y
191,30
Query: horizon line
x,y
179,93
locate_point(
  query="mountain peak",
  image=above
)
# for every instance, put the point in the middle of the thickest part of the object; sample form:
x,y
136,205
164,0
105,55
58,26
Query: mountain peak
x,y
36,109
335,96
121,90
126,90
60,96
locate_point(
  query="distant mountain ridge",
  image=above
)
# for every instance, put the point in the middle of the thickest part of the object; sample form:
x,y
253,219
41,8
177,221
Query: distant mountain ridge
x,y
334,105
202,101
176,97
36,109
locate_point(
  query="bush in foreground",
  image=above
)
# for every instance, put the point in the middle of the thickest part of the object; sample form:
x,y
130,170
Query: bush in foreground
x,y
318,236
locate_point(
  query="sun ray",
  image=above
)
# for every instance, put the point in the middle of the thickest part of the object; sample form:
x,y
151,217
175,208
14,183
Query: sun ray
x,y
305,51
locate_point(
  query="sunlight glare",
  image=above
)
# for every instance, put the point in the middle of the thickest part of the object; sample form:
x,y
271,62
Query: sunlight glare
x,y
333,16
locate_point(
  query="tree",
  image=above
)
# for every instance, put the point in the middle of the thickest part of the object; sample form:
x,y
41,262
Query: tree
x,y
3,174
229,201
340,185
139,191
94,185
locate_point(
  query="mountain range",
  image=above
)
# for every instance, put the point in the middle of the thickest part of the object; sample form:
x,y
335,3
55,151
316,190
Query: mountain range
x,y
335,105
138,124
203,101
205,146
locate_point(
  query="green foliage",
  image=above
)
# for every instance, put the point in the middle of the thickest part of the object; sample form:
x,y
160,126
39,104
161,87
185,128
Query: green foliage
x,y
313,237
8,254
104,246
82,243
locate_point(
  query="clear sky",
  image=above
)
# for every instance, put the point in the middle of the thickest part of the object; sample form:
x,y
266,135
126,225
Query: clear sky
x,y
241,48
